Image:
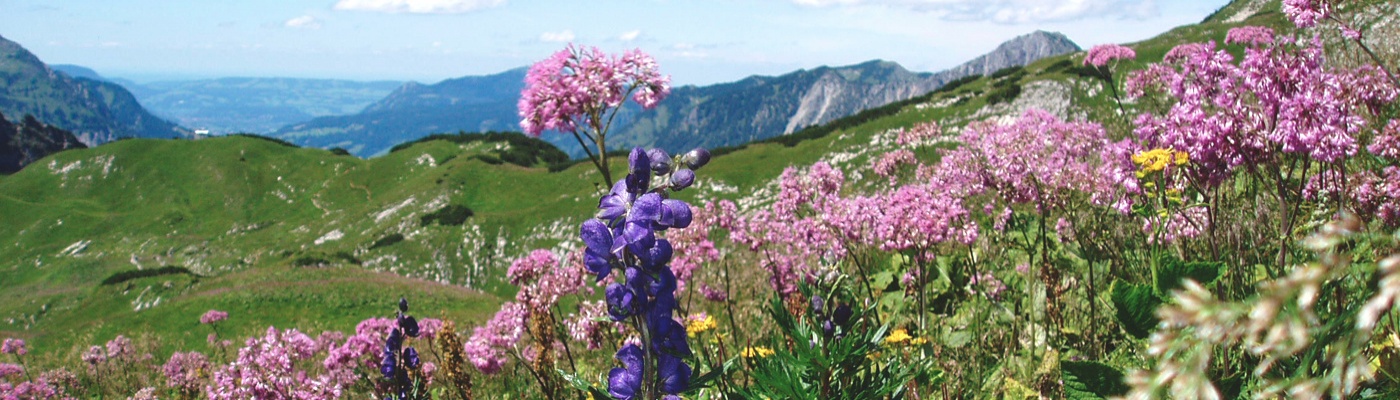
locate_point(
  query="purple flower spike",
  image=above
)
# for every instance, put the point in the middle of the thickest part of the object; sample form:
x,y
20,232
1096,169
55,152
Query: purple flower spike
x,y
625,381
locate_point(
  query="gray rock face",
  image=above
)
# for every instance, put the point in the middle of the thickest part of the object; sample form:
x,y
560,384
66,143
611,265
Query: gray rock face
x,y
762,107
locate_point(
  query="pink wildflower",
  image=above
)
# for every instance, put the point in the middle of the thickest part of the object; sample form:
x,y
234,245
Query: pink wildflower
x,y
213,316
1250,35
1101,55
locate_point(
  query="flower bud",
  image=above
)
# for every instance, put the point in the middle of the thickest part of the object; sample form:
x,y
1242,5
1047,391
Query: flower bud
x,y
817,303
696,158
682,179
660,161
403,304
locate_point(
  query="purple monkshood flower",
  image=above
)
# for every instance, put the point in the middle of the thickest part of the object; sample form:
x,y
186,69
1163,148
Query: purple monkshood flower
x,y
621,301
624,235
674,374
624,382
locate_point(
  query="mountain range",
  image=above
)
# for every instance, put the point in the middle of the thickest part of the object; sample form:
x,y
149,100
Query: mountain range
x,y
727,114
94,111
29,140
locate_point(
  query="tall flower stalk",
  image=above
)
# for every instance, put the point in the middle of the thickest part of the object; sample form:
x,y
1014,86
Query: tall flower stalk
x,y
580,91
623,238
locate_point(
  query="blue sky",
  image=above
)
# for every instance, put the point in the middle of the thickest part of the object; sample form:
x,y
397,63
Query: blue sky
x,y
695,41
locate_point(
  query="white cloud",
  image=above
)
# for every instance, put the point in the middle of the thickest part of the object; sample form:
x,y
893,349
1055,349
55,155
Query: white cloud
x,y
630,36
303,22
417,6
1010,11
561,36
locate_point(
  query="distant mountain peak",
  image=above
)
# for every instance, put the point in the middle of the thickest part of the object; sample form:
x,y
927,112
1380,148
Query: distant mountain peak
x,y
94,111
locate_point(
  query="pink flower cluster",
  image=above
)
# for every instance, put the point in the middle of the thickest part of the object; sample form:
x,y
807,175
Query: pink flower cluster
x,y
489,344
13,346
888,164
543,280
213,316
576,85
1306,13
183,370
1250,35
6,370
987,284
1185,223
589,324
1387,143
1276,101
49,385
693,246
270,367
918,134
1103,54
1041,161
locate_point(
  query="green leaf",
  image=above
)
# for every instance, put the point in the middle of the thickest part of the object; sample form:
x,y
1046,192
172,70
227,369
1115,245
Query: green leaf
x,y
1137,307
1171,271
1091,380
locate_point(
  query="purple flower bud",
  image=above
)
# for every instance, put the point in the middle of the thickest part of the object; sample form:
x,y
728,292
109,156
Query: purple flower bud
x,y
660,161
842,315
828,328
403,305
409,325
638,162
682,179
696,158
410,358
817,303
388,365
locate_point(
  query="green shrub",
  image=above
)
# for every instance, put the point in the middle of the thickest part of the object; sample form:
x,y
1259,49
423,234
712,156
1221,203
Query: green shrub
x,y
451,214
127,275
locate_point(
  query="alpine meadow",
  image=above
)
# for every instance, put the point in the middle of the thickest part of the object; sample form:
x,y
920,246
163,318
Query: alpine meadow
x,y
1211,213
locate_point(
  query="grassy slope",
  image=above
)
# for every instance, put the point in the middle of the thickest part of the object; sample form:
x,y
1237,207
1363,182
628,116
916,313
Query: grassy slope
x,y
243,211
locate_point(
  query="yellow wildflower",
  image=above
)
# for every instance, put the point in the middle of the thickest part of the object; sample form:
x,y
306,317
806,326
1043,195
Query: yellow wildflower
x,y
899,336
918,341
760,352
1158,159
701,323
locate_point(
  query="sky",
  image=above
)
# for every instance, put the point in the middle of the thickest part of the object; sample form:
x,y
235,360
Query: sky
x,y
697,42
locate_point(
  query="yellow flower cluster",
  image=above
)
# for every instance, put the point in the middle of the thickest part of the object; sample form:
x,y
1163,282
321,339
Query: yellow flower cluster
x,y
760,352
699,324
1158,159
901,337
